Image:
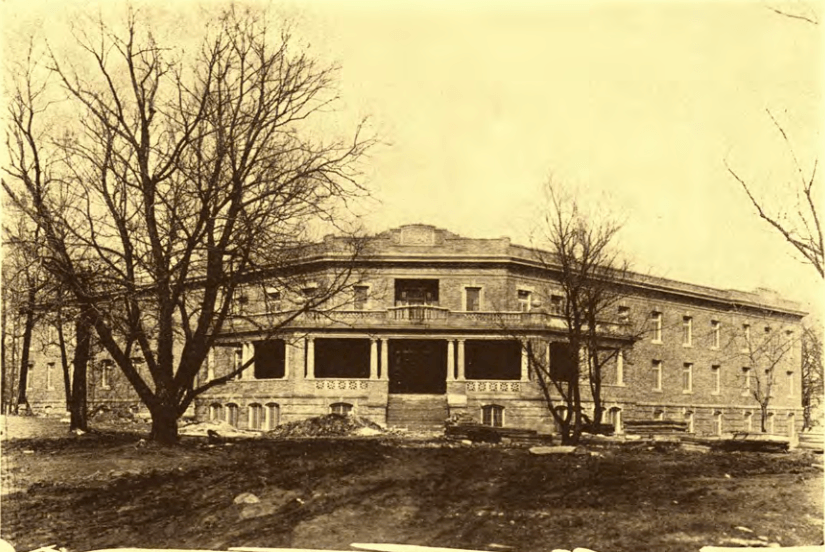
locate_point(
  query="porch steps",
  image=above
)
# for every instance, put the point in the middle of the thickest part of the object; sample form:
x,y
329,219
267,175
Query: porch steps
x,y
417,412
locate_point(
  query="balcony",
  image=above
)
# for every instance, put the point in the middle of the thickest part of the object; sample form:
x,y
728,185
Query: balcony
x,y
403,317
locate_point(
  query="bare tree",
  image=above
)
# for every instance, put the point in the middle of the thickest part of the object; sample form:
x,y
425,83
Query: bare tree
x,y
812,374
798,223
178,178
765,353
582,252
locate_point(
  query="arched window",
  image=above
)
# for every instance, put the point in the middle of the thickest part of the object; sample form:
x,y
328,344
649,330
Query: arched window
x,y
273,415
256,416
771,423
615,417
492,415
689,420
341,408
791,427
658,414
216,412
232,414
562,412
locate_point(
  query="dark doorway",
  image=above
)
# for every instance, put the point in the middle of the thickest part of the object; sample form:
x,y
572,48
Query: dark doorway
x,y
418,366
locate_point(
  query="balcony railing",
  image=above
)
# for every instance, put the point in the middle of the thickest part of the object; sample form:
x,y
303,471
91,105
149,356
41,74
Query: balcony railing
x,y
409,315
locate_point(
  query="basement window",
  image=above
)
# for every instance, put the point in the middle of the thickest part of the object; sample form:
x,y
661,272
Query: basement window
x,y
492,415
341,409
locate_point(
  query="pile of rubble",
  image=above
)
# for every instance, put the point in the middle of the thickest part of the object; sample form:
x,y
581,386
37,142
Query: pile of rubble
x,y
331,425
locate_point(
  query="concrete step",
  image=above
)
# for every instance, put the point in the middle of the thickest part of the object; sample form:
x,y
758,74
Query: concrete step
x,y
420,412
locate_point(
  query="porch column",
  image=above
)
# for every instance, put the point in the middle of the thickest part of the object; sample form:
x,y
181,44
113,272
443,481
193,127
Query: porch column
x,y
310,342
373,359
460,360
247,354
525,362
385,359
287,345
450,360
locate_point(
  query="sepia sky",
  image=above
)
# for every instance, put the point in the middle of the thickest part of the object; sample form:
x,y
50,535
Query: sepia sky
x,y
638,105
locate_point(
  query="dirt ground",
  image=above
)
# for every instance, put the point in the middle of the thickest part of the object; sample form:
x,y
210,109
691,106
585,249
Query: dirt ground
x,y
112,490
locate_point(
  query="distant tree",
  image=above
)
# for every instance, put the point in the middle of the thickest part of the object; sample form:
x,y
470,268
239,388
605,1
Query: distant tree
x,y
812,374
592,278
172,177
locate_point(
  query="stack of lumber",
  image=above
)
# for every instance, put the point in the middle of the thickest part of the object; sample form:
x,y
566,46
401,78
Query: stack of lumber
x,y
655,427
482,433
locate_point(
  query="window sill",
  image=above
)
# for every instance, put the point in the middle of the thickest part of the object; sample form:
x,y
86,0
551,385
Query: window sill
x,y
657,390
716,393
687,392
656,341
687,345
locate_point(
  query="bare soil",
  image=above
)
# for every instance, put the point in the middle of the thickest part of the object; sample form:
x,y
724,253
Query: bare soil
x,y
112,490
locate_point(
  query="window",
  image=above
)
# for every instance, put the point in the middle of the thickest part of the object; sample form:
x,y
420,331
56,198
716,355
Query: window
x,y
624,314
687,331
360,295
472,300
767,329
771,423
791,425
49,369
492,415
29,376
232,414
342,409
416,292
790,384
746,377
687,378
717,420
273,415
715,334
656,322
748,424
556,304
614,415
210,365
716,372
746,336
657,375
216,412
256,414
273,298
659,415
240,303
525,299
104,374
689,421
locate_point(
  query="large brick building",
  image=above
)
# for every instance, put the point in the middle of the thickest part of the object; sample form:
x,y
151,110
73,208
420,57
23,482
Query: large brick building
x,y
437,327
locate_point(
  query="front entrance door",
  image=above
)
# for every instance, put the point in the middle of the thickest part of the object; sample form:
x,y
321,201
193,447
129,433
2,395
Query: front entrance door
x,y
418,366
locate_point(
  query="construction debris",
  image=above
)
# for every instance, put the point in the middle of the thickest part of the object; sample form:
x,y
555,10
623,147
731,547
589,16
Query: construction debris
x,y
331,425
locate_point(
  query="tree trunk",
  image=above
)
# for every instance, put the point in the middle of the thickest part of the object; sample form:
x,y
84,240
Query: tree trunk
x,y
764,417
164,424
28,328
64,362
4,377
83,343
